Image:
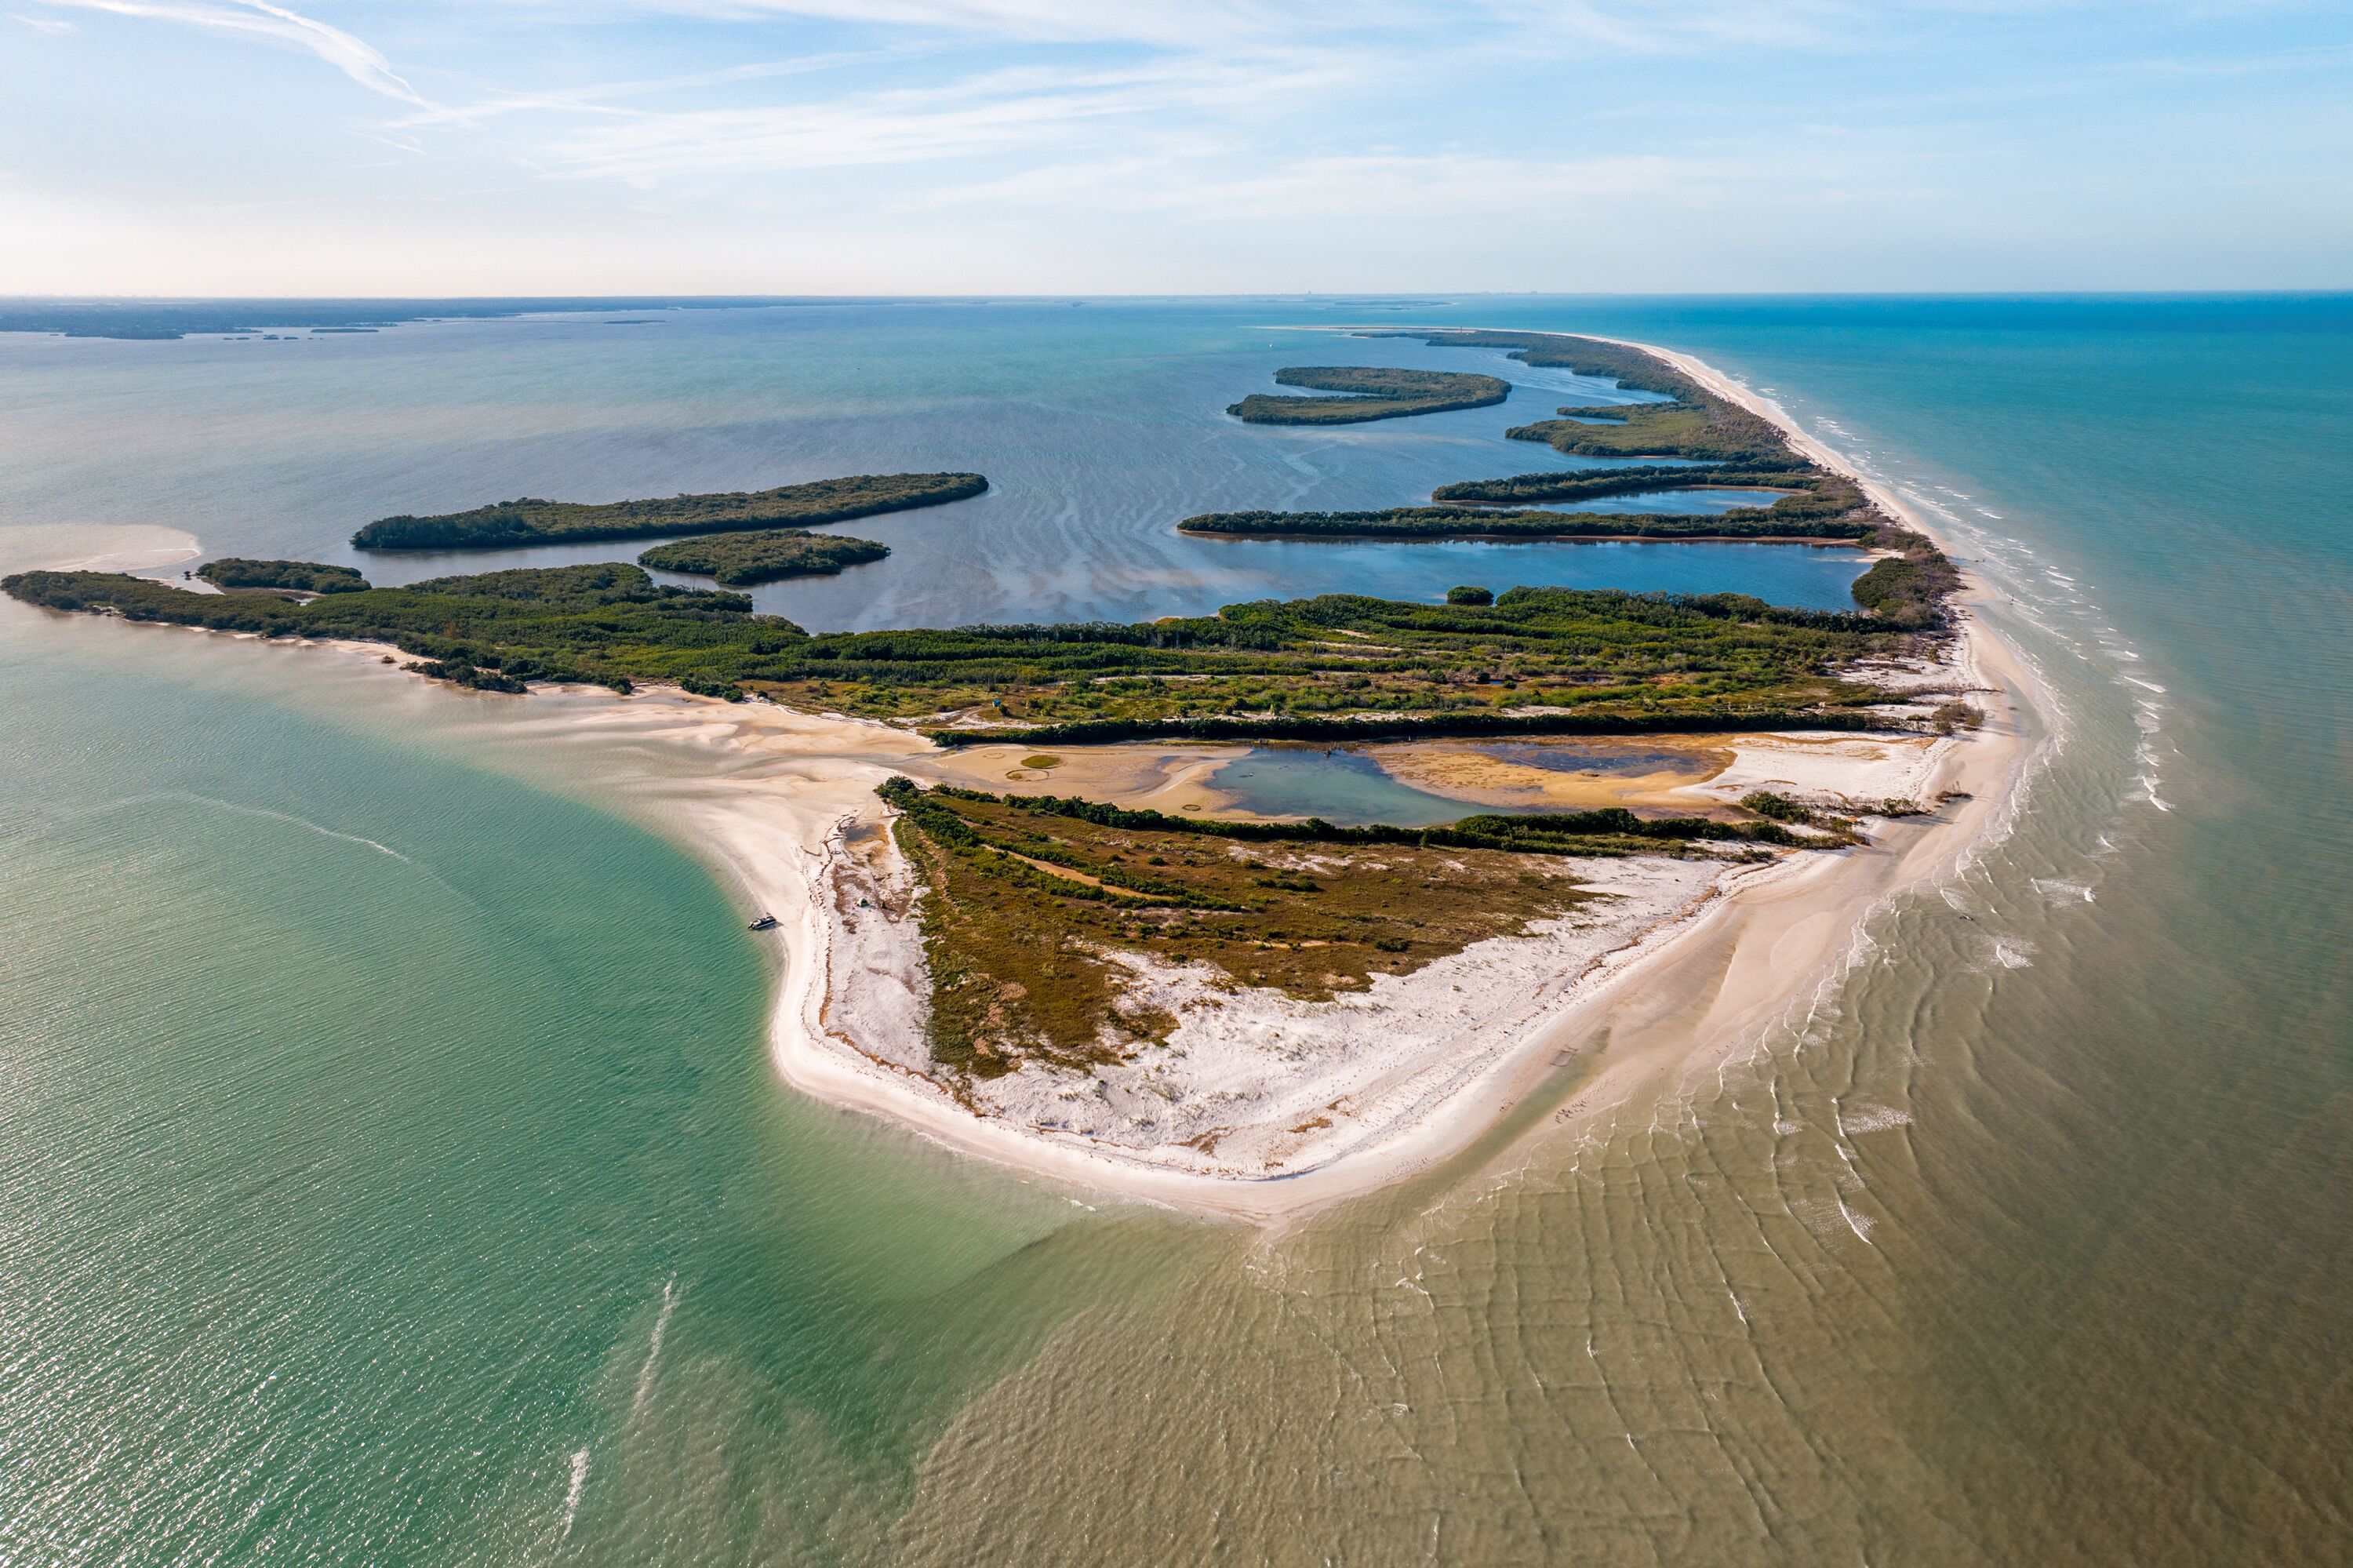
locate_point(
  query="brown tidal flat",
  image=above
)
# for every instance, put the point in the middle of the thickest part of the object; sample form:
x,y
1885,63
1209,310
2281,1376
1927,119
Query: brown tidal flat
x,y
1480,776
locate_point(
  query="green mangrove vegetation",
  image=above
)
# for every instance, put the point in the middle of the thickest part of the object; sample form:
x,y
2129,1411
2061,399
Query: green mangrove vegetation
x,y
1683,418
1830,493
1455,722
742,560
1571,662
1367,393
1472,522
1588,660
1909,589
1036,896
298,576
509,524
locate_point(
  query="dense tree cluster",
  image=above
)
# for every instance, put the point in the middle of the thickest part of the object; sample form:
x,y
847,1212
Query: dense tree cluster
x,y
298,576
1533,659
1471,522
529,520
742,560
1613,657
1707,442
1368,392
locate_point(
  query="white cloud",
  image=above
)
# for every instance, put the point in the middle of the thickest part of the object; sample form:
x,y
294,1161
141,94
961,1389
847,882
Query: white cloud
x,y
983,113
863,144
1193,24
1224,25
258,18
1386,187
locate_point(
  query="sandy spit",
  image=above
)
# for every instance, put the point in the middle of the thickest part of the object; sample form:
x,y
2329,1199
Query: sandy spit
x,y
1695,960
66,547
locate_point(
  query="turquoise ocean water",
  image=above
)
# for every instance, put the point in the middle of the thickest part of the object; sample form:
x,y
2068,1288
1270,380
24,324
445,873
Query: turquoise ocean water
x,y
390,1169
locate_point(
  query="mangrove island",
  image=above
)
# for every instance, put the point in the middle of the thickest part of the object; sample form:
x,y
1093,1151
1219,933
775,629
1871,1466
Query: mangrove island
x,y
509,524
1367,393
742,560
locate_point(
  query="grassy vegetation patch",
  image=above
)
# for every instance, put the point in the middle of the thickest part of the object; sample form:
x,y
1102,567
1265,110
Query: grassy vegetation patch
x,y
529,520
1031,898
1021,956
1367,393
740,560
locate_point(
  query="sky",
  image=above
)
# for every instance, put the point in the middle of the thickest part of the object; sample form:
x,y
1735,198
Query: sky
x,y
355,147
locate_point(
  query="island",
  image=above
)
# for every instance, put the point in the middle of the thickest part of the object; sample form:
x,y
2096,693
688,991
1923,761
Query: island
x,y
527,521
742,560
1053,935
1574,661
1367,393
1474,523
172,318
299,576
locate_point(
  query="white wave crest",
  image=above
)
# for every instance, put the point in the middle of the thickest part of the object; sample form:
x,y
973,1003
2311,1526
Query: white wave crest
x,y
571,1492
653,1350
284,817
1871,1118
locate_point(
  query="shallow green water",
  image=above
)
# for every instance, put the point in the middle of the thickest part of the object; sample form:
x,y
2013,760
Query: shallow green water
x,y
369,1115
389,1139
